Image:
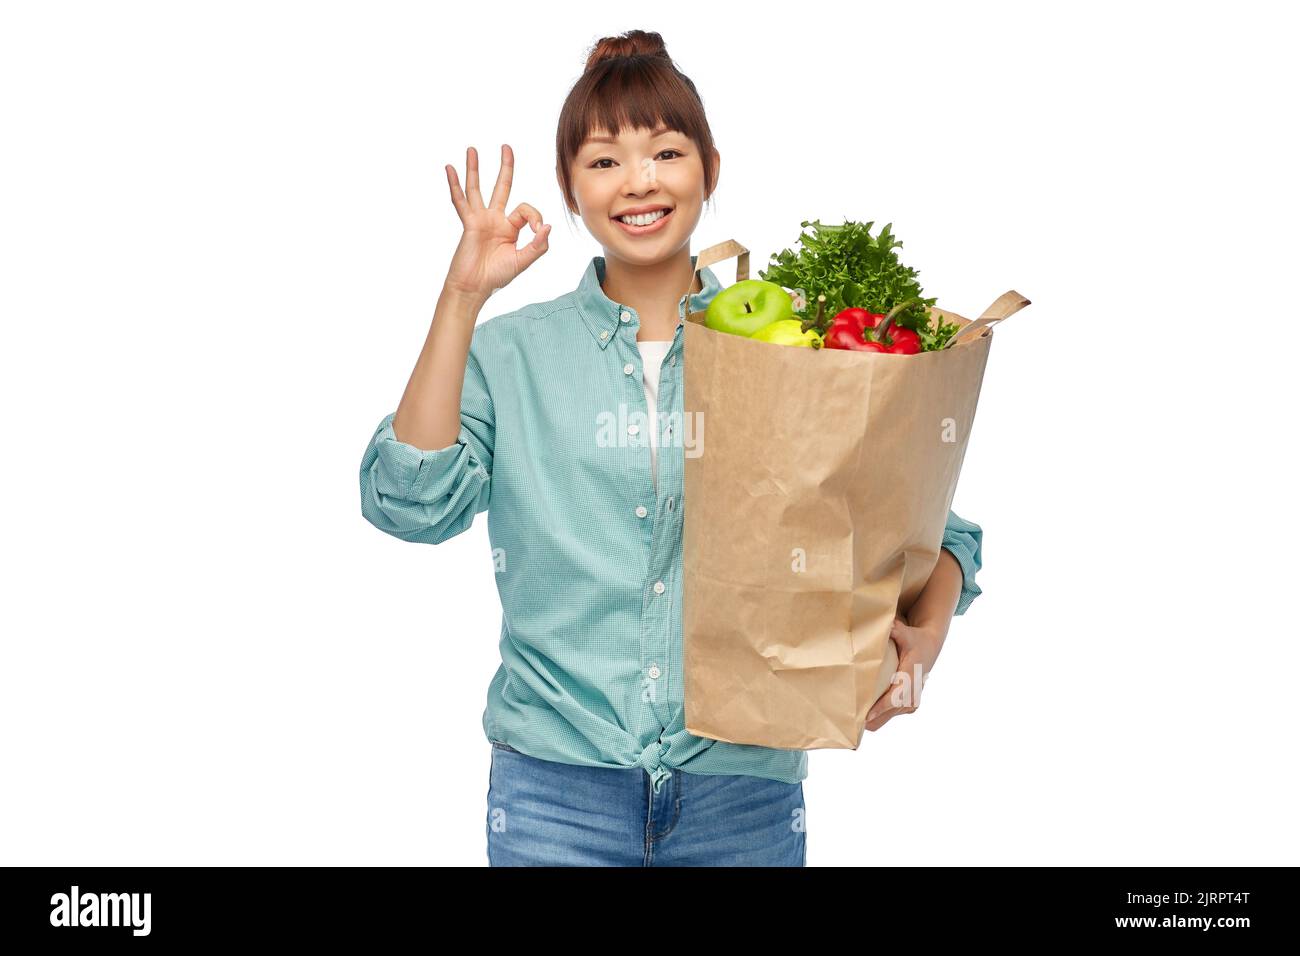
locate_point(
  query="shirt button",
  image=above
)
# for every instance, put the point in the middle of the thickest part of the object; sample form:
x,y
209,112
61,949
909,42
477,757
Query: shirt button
x,y
673,360
632,429
626,316
640,511
670,504
628,369
604,335
659,587
654,672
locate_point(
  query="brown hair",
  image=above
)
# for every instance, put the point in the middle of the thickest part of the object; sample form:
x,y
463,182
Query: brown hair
x,y
629,82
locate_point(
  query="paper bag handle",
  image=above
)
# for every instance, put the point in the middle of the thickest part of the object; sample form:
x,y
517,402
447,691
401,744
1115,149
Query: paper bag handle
x,y
720,253
1008,303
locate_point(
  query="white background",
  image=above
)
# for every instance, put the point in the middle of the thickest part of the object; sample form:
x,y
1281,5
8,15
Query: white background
x,y
224,230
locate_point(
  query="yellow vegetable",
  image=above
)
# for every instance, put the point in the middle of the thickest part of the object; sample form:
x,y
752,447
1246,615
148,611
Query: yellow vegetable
x,y
788,332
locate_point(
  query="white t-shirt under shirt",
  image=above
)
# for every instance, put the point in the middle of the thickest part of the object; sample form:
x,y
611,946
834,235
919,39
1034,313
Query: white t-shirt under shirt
x,y
652,358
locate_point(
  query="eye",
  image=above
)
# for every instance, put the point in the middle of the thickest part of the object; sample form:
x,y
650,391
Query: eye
x,y
596,165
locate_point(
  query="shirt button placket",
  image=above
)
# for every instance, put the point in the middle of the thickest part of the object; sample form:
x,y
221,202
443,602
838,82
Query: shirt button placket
x,y
656,613
669,488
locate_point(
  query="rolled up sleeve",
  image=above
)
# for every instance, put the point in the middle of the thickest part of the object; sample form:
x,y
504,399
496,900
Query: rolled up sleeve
x,y
429,496
964,540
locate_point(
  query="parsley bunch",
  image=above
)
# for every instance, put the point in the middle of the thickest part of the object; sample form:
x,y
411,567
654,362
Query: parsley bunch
x,y
852,268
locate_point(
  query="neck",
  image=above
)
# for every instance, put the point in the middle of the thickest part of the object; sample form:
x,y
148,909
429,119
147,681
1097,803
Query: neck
x,y
654,290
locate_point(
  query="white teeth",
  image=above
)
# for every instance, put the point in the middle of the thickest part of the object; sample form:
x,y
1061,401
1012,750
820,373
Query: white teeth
x,y
644,220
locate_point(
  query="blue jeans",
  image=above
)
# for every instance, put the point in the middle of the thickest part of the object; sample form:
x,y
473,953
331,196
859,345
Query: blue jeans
x,y
545,813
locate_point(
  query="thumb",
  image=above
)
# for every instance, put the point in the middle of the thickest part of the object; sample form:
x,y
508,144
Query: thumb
x,y
899,633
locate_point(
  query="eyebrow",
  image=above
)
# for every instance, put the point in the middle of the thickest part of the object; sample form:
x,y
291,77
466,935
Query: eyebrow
x,y
609,139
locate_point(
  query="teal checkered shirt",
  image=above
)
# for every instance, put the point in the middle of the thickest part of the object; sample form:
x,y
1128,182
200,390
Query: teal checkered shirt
x,y
587,550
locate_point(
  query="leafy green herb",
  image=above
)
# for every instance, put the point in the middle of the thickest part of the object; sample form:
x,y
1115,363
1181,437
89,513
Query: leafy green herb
x,y
852,268
933,339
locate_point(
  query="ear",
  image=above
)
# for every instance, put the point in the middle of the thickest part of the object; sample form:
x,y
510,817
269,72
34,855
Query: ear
x,y
717,165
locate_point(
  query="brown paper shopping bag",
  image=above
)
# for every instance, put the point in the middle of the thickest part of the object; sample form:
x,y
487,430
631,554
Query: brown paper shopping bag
x,y
815,502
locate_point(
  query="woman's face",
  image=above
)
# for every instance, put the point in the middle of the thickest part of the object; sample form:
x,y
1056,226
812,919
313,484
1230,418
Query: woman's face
x,y
636,170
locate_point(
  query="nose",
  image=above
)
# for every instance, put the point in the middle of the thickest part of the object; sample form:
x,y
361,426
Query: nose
x,y
641,178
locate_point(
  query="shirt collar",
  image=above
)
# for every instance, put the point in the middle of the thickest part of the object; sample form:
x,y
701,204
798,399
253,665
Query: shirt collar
x,y
601,313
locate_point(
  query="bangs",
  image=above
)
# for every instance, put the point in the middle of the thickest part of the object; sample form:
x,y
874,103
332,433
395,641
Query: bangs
x,y
629,100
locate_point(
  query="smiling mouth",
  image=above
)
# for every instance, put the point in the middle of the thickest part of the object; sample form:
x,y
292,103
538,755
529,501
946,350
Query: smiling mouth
x,y
660,217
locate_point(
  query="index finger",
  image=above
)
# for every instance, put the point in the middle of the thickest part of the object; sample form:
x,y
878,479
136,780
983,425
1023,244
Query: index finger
x,y
506,176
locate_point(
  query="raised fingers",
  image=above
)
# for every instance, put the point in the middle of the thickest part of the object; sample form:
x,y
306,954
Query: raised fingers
x,y
506,176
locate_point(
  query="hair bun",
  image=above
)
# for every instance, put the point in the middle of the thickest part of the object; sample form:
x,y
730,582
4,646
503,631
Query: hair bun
x,y
629,44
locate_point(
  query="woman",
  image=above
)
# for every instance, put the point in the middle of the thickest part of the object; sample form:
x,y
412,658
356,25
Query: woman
x,y
591,762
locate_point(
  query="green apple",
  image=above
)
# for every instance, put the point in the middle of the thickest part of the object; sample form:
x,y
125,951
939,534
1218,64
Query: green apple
x,y
747,306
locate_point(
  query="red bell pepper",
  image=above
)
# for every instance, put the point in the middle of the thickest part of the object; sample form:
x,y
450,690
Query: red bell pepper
x,y
893,337
845,331
858,330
